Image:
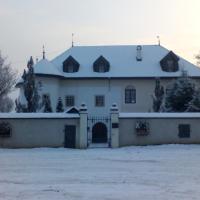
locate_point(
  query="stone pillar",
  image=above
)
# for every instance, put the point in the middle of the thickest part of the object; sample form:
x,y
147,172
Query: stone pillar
x,y
83,138
114,113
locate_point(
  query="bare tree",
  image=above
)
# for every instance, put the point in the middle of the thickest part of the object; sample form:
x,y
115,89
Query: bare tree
x,y
7,82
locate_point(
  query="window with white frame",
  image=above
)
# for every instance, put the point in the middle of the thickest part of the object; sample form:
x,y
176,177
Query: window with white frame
x,y
130,95
99,101
69,100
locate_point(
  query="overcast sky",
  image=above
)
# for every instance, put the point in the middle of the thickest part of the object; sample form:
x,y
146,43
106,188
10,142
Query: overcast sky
x,y
28,24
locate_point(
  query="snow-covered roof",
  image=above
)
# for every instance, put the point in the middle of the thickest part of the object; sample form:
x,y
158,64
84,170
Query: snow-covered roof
x,y
122,60
46,67
159,115
37,115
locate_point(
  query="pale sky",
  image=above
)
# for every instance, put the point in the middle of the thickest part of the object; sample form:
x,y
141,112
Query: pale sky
x,y
28,24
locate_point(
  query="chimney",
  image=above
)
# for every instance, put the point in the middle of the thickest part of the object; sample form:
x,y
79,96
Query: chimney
x,y
139,53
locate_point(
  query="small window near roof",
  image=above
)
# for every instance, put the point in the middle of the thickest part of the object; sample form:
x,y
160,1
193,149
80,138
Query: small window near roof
x,y
101,65
170,62
184,130
130,95
70,65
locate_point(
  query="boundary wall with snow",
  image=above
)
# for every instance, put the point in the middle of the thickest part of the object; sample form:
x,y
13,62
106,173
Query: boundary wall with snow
x,y
28,130
161,128
37,129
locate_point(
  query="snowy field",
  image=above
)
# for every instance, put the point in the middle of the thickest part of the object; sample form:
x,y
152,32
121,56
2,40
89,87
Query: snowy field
x,y
148,173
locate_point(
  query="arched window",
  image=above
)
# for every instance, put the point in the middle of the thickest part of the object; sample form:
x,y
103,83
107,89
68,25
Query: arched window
x,y
130,95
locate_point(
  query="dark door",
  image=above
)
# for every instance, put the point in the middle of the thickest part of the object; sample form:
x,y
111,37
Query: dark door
x,y
99,133
70,136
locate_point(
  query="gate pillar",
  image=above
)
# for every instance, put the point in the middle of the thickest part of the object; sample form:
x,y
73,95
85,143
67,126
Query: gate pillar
x,y
82,139
114,113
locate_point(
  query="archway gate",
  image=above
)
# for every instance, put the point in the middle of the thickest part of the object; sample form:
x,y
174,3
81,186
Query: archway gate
x,y
92,124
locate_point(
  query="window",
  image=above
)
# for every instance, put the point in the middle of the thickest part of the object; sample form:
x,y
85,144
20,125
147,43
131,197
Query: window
x,y
101,65
170,62
99,101
70,65
184,130
130,95
69,101
102,68
142,128
70,69
5,130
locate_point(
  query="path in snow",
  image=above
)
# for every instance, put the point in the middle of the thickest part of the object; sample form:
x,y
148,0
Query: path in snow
x,y
150,173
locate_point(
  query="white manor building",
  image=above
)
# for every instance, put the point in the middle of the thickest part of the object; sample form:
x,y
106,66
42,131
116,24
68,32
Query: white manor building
x,y
102,75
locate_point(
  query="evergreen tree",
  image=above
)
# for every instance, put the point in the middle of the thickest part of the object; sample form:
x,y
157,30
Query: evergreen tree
x,y
30,90
194,104
29,86
47,104
181,94
59,107
158,96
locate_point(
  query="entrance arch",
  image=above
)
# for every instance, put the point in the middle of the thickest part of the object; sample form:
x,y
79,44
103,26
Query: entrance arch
x,y
99,133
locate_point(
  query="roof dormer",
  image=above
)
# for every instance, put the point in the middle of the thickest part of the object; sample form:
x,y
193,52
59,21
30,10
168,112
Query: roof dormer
x,y
70,65
101,65
170,62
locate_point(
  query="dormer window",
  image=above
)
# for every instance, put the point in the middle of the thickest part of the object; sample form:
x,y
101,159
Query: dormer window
x,y
70,65
101,65
170,62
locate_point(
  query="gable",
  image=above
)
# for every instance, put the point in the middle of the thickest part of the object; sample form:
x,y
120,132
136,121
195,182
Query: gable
x,y
72,110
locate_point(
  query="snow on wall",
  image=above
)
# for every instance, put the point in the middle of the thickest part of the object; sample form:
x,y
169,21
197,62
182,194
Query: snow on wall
x,y
159,115
37,115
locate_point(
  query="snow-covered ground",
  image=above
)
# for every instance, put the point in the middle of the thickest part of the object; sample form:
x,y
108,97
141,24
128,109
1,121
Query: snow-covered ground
x,y
151,173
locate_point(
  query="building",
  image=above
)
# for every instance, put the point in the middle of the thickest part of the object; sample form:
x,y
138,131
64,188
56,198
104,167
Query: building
x,y
102,75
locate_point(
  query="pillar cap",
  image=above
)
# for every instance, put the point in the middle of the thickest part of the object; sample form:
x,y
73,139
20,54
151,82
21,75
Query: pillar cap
x,y
114,108
83,108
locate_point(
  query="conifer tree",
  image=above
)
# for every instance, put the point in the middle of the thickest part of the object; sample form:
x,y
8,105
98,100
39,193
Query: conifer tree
x,y
181,95
59,107
194,104
47,104
158,96
29,87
